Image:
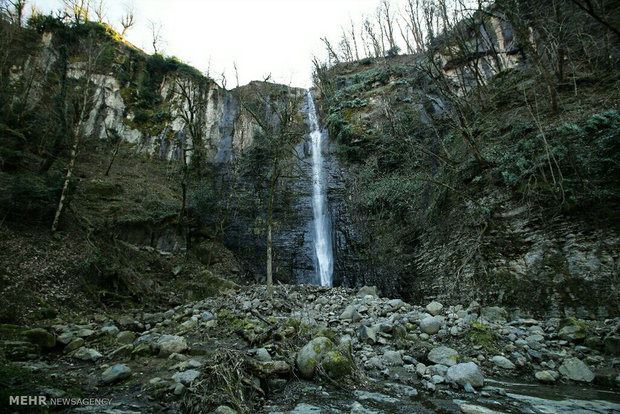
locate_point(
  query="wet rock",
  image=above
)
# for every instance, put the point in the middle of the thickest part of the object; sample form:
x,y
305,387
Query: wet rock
x,y
464,373
84,333
576,370
375,396
224,409
169,344
125,337
311,355
73,345
124,351
368,335
547,376
357,408
368,290
443,355
115,373
430,325
494,314
336,365
110,330
503,362
262,355
392,358
304,408
572,333
65,337
41,337
186,377
434,308
476,409
86,354
395,304
351,313
403,390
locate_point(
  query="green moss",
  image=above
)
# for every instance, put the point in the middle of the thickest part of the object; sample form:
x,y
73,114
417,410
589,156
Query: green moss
x,y
482,335
327,333
336,365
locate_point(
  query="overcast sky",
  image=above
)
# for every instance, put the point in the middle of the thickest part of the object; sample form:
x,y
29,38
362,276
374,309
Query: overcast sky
x,y
277,37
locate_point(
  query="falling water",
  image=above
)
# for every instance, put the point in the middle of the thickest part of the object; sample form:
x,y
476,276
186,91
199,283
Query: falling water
x,y
322,233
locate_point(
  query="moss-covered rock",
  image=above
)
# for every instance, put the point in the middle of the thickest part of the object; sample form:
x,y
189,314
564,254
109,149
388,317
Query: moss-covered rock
x,y
41,337
336,365
312,354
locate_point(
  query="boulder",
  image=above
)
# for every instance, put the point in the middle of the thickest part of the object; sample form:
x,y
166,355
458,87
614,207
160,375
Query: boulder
x,y
351,313
494,314
336,365
572,333
392,358
576,370
503,362
367,334
125,337
466,372
41,337
170,344
73,345
547,376
86,354
115,373
434,308
430,325
186,377
311,355
443,355
368,290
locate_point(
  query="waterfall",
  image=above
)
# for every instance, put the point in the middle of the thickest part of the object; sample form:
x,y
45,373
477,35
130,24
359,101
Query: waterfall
x,y
322,227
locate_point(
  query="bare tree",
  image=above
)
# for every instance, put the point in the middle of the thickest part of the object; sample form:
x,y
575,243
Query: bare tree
x,y
93,52
276,118
100,11
156,36
79,9
128,20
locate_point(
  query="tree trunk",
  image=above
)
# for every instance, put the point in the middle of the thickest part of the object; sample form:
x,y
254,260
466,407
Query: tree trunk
x,y
65,187
272,190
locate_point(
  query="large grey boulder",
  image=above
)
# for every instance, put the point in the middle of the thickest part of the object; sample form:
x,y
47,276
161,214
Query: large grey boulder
x,y
464,373
576,370
392,358
115,373
503,362
430,325
548,376
170,344
443,355
495,314
434,308
351,313
311,355
572,333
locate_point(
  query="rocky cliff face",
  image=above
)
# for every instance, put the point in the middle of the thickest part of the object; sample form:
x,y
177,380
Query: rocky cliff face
x,y
423,215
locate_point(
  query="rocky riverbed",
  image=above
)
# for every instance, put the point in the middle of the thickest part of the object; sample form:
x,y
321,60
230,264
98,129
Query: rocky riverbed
x,y
315,350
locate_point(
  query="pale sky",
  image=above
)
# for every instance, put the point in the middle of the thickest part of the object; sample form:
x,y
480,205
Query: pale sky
x,y
277,37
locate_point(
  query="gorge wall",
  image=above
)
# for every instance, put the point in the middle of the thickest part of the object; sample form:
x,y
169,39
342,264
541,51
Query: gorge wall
x,y
446,159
